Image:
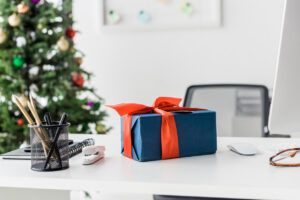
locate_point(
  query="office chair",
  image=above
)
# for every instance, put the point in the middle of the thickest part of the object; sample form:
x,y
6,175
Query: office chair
x,y
242,109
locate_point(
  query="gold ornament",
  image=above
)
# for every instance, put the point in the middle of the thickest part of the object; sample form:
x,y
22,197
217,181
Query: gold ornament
x,y
22,8
100,128
85,107
78,60
14,20
73,50
62,44
23,100
3,36
39,26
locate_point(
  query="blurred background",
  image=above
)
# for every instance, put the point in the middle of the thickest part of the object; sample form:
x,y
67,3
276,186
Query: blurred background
x,y
140,65
77,56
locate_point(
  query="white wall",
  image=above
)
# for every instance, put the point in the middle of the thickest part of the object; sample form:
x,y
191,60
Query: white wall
x,y
139,66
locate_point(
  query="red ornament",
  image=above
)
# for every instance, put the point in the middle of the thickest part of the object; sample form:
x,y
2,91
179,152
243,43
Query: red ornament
x,y
77,79
70,33
20,122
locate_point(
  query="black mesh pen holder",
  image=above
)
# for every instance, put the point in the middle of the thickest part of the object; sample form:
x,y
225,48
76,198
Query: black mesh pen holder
x,y
49,147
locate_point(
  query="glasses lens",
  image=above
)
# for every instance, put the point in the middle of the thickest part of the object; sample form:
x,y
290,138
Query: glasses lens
x,y
288,157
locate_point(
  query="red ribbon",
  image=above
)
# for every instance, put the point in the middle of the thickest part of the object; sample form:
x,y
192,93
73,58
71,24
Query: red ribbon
x,y
163,106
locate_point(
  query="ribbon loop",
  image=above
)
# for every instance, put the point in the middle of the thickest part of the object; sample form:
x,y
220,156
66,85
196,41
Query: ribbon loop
x,y
130,108
166,101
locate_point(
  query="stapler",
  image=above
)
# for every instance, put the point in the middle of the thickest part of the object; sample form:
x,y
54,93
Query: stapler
x,y
92,154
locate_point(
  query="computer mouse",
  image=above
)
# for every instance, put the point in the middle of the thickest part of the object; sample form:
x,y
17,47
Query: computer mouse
x,y
244,149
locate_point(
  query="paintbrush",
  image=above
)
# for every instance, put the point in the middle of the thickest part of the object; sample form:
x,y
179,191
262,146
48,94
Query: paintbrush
x,y
31,122
32,108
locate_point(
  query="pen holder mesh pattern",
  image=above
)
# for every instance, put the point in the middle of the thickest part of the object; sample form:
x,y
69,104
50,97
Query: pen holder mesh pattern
x,y
49,147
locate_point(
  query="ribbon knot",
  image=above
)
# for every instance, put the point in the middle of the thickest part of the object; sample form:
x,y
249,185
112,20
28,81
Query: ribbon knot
x,y
163,106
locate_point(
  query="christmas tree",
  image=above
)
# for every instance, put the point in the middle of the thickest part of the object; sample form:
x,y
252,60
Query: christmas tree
x,y
38,56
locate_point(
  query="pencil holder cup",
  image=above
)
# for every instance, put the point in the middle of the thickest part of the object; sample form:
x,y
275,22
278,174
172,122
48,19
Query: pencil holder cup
x,y
49,147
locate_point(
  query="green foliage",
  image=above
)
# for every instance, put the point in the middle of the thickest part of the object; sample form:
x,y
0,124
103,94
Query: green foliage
x,y
46,72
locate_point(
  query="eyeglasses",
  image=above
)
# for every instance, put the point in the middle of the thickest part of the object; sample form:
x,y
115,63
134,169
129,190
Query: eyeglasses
x,y
288,153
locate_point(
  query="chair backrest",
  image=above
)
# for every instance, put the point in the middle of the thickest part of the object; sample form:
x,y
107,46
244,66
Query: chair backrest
x,y
242,110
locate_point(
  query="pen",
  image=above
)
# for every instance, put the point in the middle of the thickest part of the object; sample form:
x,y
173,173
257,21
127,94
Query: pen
x,y
48,120
58,130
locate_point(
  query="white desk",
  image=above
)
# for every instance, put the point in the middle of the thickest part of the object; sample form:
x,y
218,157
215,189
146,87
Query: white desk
x,y
224,174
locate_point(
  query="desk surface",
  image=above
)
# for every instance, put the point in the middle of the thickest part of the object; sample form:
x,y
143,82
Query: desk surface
x,y
224,174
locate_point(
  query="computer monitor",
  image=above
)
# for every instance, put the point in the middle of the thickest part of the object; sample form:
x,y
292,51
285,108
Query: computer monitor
x,y
285,107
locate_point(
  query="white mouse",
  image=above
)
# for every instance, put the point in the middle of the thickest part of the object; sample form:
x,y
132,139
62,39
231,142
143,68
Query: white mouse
x,y
244,149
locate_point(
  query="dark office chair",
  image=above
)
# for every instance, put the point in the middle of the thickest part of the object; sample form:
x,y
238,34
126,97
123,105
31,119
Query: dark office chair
x,y
242,109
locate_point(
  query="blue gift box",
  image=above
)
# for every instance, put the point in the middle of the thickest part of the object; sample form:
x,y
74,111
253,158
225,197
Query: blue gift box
x,y
196,134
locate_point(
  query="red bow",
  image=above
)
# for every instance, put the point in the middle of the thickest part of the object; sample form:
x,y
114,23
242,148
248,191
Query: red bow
x,y
162,105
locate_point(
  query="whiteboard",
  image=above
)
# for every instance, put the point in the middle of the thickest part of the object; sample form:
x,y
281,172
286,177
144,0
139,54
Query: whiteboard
x,y
164,14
